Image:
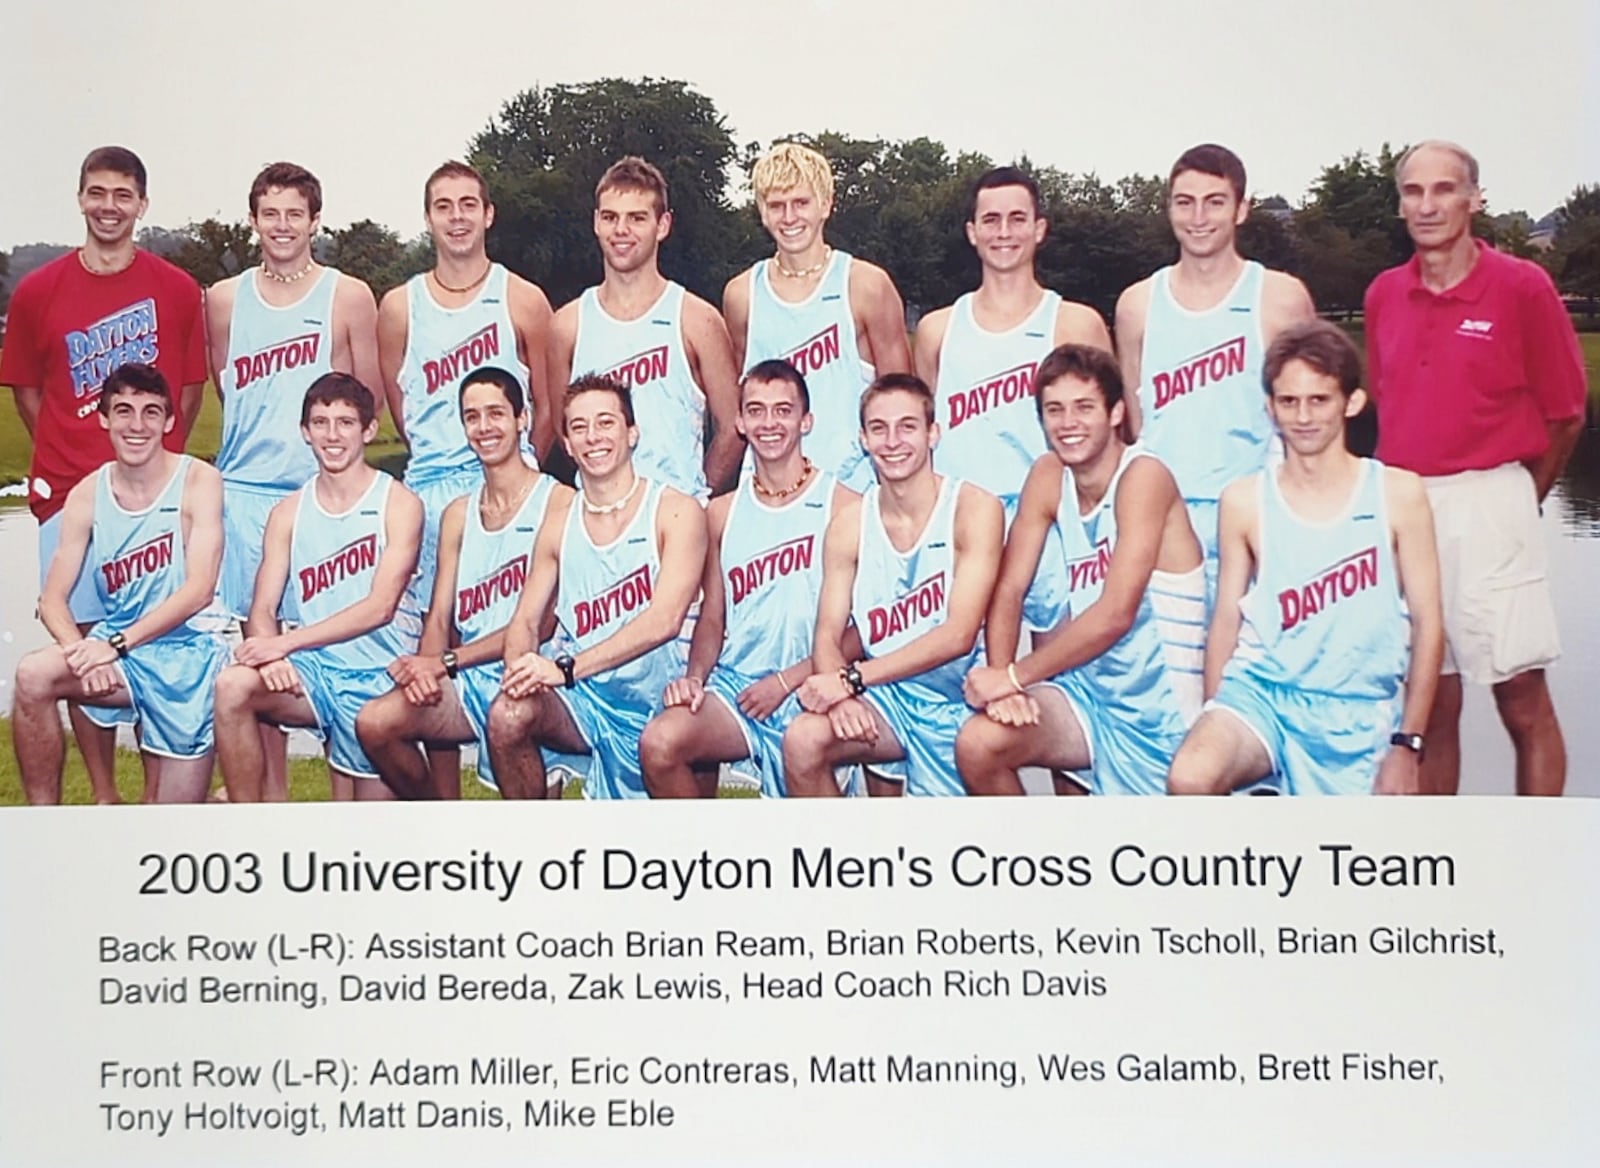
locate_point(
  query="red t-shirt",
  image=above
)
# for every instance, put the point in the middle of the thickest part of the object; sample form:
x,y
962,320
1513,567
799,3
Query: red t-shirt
x,y
1468,378
68,329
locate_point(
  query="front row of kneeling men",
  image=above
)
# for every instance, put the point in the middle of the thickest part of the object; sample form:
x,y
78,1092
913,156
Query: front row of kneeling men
x,y
896,631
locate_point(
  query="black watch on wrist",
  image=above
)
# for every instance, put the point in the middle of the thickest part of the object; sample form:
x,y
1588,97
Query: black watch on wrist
x,y
852,678
118,642
451,663
566,664
1412,742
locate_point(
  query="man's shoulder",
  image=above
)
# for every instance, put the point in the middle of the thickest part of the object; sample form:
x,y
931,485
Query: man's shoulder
x,y
1515,272
42,281
1391,282
153,266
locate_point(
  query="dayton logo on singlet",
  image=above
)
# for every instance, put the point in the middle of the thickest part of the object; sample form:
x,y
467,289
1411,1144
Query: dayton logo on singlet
x,y
460,360
140,562
815,352
770,565
1090,569
627,594
353,558
641,368
506,580
128,334
1199,371
924,600
1350,575
290,354
999,390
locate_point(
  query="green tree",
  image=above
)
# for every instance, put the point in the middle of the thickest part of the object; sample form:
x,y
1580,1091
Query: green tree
x,y
1575,262
372,252
211,250
5,281
547,148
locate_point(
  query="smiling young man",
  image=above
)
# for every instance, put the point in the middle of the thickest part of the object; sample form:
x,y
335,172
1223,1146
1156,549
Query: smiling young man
x,y
71,323
1327,602
666,345
981,355
337,564
1102,695
147,529
443,691
763,571
627,555
835,317
273,330
912,562
437,327
1480,386
1192,338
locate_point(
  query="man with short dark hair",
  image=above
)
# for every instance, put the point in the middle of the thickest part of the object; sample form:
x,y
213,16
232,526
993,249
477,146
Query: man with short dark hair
x,y
912,564
337,566
70,324
752,644
1480,387
443,691
1327,602
627,555
1192,338
436,328
1101,695
147,530
665,344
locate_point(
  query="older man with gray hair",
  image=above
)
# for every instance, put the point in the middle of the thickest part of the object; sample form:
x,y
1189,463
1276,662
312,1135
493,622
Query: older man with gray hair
x,y
1480,387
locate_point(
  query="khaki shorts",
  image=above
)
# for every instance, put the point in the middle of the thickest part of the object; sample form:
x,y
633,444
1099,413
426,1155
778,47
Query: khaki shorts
x,y
1499,620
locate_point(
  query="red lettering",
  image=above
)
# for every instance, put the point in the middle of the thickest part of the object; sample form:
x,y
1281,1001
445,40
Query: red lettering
x,y
1349,576
815,352
641,368
461,359
770,565
923,601
631,592
505,581
138,562
348,561
1001,389
1090,569
1213,365
290,354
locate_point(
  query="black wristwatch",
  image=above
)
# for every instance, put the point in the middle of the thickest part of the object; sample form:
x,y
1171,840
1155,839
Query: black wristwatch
x,y
118,642
1412,742
566,664
452,665
852,677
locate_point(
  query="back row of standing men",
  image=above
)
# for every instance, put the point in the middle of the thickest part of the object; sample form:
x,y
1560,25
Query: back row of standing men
x,y
1191,339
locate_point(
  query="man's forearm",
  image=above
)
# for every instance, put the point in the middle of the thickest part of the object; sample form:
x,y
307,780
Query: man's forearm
x,y
1563,438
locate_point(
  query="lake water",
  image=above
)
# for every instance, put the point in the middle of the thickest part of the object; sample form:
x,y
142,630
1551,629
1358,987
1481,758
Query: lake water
x,y
1572,529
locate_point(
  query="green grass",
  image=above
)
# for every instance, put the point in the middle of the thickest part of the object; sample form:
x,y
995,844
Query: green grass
x,y
308,777
387,451
1590,343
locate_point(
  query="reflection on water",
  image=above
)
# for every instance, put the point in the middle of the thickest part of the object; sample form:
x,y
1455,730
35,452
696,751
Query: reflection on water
x,y
1572,528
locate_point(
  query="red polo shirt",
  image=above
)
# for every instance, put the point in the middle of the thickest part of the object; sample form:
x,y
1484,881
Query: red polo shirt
x,y
1467,379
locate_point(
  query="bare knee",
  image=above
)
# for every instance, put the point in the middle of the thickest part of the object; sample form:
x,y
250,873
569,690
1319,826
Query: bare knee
x,y
513,721
382,720
806,742
1194,772
661,745
40,675
237,687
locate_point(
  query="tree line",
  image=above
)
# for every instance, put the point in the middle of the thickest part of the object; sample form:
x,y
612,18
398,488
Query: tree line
x,y
899,204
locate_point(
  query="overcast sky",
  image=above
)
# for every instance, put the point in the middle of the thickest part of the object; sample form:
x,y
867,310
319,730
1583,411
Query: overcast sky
x,y
372,96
